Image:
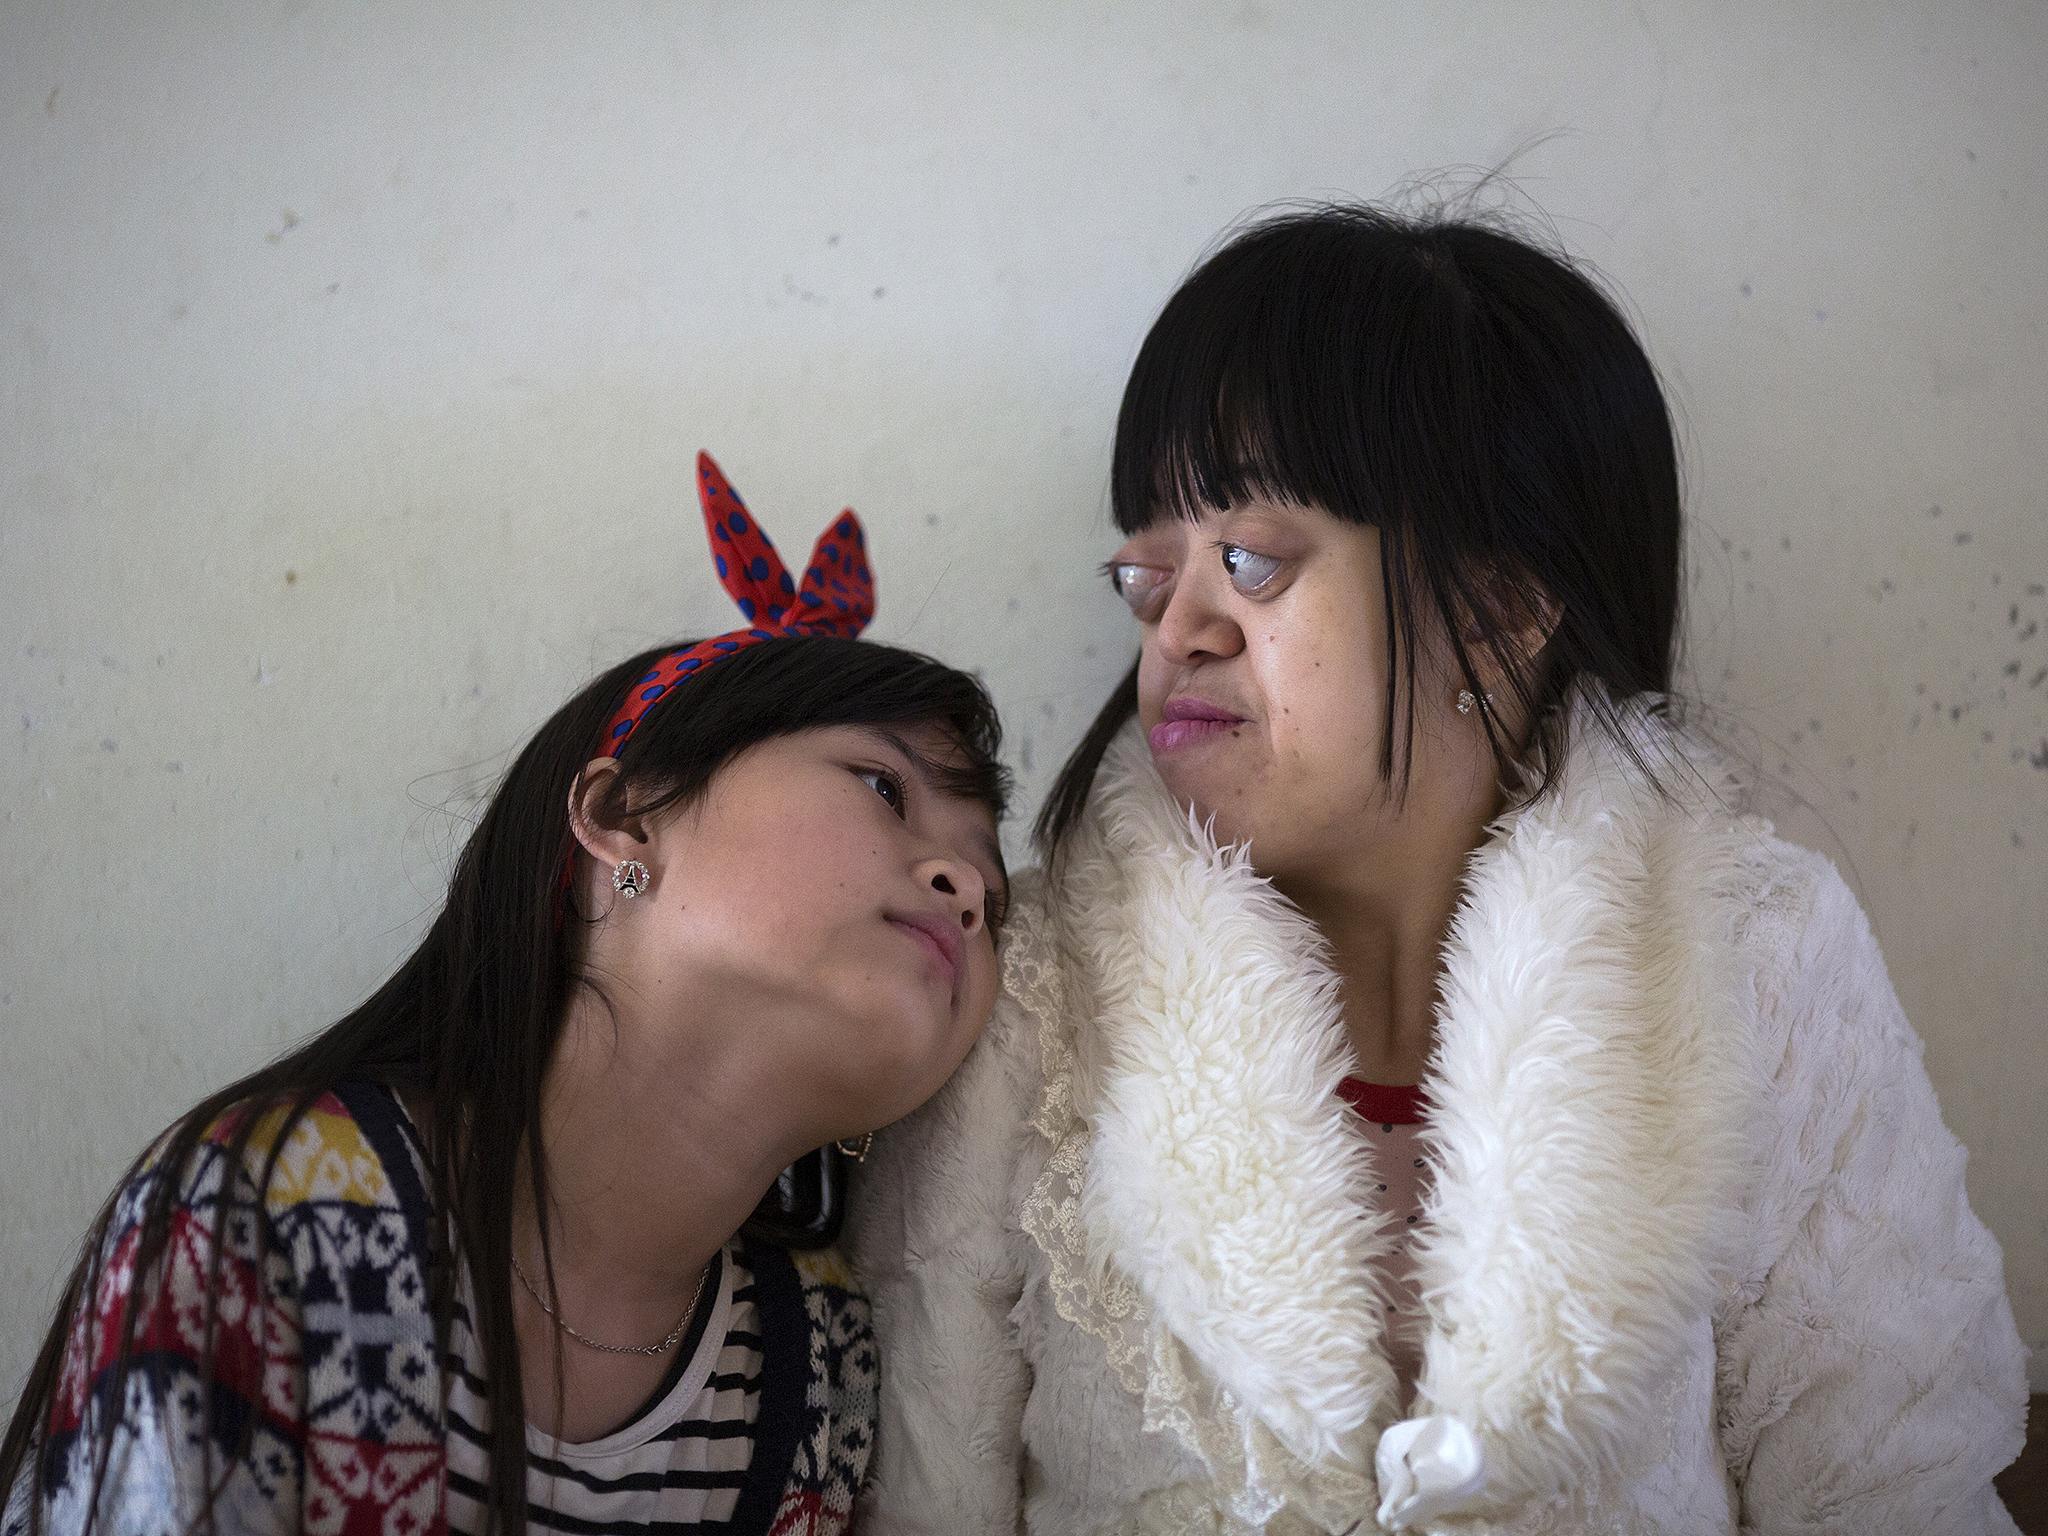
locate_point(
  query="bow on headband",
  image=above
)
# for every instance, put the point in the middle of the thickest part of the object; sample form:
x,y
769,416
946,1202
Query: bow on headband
x,y
835,597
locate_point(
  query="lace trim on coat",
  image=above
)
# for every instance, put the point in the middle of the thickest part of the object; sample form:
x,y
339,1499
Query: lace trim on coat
x,y
1254,1477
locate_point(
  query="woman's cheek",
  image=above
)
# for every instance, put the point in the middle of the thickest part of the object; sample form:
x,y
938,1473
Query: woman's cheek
x,y
1152,683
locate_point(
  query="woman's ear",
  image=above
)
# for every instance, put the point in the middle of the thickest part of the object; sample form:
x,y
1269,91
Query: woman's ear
x,y
1504,622
1508,622
600,827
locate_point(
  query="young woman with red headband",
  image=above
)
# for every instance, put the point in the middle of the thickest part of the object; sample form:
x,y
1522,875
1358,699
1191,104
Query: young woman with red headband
x,y
1420,1097
537,1237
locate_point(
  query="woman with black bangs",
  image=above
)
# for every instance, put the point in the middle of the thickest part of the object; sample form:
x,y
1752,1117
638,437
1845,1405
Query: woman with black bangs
x,y
1420,1096
540,1236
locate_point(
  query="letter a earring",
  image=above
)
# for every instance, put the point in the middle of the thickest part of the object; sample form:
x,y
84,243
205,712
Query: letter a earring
x,y
630,877
1469,701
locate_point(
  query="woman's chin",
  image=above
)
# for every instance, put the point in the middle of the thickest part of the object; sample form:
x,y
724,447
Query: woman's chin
x,y
914,1049
1203,808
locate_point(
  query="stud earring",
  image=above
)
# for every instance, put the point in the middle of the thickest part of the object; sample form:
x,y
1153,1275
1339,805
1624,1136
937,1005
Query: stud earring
x,y
1468,701
858,1153
630,877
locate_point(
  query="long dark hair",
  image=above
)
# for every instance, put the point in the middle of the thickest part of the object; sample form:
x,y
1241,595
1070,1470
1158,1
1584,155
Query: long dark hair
x,y
1478,399
469,1022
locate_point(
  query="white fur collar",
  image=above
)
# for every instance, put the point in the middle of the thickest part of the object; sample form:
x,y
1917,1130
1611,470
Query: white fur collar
x,y
1225,1171
1589,1073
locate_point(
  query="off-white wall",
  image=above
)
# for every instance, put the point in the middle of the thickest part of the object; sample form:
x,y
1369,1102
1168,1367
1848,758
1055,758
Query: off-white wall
x,y
352,359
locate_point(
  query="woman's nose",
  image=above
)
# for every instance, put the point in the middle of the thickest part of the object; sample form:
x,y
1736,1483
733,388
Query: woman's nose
x,y
962,882
1195,627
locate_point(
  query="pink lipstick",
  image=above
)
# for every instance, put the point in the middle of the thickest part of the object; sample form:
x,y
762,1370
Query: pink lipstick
x,y
1187,720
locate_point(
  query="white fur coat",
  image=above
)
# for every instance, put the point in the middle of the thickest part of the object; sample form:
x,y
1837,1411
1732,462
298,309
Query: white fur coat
x,y
1697,1254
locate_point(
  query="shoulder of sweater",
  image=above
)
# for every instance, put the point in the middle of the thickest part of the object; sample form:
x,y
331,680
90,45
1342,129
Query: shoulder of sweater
x,y
1800,924
1828,1020
346,1149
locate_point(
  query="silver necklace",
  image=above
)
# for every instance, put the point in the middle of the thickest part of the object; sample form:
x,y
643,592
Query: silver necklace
x,y
675,1334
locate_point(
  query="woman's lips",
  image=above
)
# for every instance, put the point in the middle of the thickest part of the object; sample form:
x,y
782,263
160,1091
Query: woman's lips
x,y
1185,722
933,939
1171,735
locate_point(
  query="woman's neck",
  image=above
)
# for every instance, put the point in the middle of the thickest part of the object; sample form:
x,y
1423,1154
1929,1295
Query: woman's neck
x,y
1386,917
659,1145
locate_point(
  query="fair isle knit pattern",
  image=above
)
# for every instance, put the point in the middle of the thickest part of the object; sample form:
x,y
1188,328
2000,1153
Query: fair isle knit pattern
x,y
323,1356
322,1350
841,1403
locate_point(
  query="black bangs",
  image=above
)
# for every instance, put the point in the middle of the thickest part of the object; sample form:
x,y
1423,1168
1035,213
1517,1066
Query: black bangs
x,y
1283,371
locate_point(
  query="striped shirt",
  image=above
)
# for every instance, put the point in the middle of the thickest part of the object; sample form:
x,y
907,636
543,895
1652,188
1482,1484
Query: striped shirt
x,y
679,1463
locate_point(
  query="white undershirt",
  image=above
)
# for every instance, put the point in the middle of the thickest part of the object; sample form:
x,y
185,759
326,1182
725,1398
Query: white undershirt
x,y
680,1461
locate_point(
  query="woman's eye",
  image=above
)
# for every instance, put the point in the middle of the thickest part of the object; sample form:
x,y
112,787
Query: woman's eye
x,y
1248,572
1138,585
885,784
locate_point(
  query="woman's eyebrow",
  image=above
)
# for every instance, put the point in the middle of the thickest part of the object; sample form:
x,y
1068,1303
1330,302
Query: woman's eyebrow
x,y
938,776
930,773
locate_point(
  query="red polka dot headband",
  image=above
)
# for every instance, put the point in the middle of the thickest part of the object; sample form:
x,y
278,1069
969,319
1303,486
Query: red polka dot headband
x,y
835,597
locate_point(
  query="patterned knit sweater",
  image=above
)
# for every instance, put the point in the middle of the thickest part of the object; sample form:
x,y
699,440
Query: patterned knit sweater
x,y
324,1350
